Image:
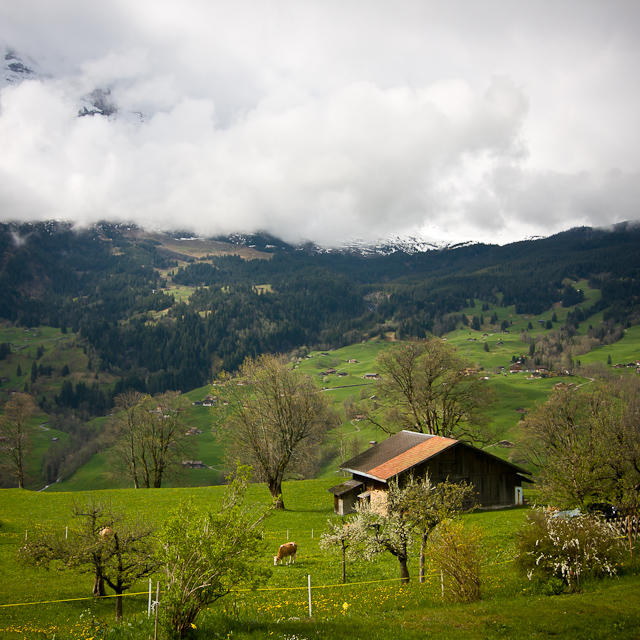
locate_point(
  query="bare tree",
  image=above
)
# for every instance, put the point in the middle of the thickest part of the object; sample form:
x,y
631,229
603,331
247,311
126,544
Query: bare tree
x,y
426,386
105,544
149,437
125,432
15,435
272,417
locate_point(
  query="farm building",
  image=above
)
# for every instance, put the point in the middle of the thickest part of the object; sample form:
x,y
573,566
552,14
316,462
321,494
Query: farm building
x,y
498,483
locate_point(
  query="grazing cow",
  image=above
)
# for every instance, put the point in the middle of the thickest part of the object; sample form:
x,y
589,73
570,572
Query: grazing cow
x,y
106,532
287,550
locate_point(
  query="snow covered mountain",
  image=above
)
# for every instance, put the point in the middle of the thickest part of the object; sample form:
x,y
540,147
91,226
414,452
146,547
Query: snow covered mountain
x,y
17,68
414,243
387,246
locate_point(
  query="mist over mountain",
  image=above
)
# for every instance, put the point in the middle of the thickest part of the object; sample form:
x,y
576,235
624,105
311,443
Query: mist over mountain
x,y
422,122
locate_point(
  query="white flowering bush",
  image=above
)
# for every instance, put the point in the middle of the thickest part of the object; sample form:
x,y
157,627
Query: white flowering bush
x,y
552,546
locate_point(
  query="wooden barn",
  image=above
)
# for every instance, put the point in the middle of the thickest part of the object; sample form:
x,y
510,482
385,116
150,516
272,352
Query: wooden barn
x,y
498,483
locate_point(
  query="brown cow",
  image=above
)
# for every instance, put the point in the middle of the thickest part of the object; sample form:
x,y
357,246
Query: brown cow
x,y
287,550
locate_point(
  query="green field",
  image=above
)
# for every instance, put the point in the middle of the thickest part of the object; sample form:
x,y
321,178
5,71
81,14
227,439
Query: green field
x,y
40,604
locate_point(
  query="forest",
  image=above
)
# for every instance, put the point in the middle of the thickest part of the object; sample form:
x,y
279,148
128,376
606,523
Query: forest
x,y
109,287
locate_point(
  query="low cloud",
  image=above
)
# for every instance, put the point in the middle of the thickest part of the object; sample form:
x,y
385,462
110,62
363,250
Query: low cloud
x,y
324,133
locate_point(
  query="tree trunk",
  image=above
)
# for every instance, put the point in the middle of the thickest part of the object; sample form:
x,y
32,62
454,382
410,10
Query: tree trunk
x,y
119,606
98,586
344,563
404,570
275,488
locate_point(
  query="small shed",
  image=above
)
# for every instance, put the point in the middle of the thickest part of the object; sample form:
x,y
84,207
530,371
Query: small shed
x,y
498,483
345,496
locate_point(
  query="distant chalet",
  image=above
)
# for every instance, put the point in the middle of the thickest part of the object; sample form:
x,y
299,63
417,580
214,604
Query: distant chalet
x,y
498,483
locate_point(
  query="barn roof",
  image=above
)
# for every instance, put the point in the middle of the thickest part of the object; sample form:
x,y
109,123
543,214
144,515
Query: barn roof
x,y
400,453
345,487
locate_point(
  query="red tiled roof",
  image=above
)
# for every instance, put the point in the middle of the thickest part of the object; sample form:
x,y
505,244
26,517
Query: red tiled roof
x,y
421,452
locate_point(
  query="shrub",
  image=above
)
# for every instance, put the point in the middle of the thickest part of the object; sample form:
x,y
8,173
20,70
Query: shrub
x,y
206,555
455,551
550,545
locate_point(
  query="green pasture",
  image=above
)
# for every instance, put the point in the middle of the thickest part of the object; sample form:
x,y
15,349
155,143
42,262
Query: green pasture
x,y
624,351
372,604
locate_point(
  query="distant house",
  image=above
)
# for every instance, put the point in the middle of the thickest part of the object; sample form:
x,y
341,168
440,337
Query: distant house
x,y
498,483
193,464
516,367
371,376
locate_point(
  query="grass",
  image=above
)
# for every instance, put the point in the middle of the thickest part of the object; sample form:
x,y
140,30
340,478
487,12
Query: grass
x,y
371,605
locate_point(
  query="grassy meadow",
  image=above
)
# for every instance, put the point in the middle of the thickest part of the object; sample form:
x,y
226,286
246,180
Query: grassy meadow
x,y
372,604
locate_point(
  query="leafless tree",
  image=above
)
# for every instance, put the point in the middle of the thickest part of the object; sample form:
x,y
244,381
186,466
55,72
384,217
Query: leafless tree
x,y
426,386
104,543
16,435
149,437
273,417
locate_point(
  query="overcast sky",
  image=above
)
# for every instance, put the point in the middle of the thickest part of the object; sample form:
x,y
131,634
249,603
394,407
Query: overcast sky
x,y
325,120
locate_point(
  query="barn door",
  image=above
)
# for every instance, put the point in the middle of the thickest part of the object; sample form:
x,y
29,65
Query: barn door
x,y
519,496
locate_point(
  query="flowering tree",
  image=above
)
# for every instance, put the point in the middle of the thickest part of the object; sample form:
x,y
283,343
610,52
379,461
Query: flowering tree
x,y
377,526
552,545
392,522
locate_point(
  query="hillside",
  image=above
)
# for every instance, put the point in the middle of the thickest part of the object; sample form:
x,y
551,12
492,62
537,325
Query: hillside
x,y
89,314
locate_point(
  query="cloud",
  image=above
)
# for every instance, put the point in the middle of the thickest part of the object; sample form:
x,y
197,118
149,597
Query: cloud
x,y
359,161
324,120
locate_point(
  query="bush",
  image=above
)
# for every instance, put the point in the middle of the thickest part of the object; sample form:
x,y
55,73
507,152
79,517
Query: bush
x,y
550,545
455,551
206,555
